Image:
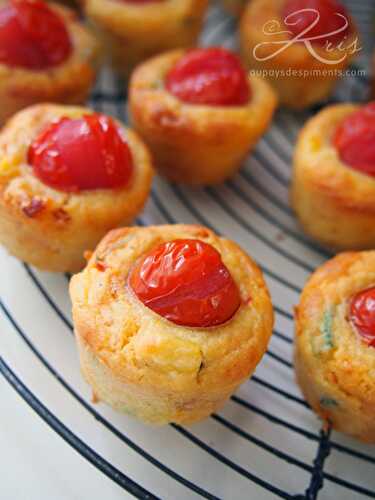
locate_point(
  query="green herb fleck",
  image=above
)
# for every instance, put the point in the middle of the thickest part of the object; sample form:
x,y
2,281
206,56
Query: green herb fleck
x,y
326,330
327,402
156,84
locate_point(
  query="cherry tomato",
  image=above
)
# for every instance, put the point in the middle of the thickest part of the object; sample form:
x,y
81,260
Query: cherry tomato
x,y
186,282
32,36
213,77
83,153
330,20
362,314
354,140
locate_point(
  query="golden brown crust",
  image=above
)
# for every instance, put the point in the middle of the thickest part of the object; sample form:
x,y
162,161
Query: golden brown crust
x,y
48,228
132,33
334,367
68,83
334,203
190,143
182,373
301,90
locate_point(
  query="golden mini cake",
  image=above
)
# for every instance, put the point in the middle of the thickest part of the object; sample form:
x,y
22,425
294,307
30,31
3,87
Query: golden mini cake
x,y
46,55
132,30
199,113
281,41
67,176
169,320
335,343
333,183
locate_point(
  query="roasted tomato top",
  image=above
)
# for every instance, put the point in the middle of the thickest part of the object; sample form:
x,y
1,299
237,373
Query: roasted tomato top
x,y
32,36
354,140
362,314
212,76
186,282
80,154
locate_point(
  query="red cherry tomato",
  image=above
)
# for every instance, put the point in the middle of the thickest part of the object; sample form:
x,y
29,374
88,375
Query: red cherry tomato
x,y
32,36
186,282
330,20
362,314
84,153
354,140
212,76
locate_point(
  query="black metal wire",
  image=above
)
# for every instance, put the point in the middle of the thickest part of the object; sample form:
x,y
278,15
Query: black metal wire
x,y
283,313
317,476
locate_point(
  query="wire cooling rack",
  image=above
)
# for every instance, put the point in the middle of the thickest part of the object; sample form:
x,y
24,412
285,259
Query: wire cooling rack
x,y
266,442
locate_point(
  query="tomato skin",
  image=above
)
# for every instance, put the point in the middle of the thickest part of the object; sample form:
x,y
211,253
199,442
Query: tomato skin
x,y
81,154
32,36
329,20
212,77
354,140
362,315
186,282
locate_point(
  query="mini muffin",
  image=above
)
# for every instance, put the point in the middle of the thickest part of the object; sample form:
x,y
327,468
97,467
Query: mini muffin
x,y
333,183
46,55
199,113
67,176
134,30
335,343
281,40
169,320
